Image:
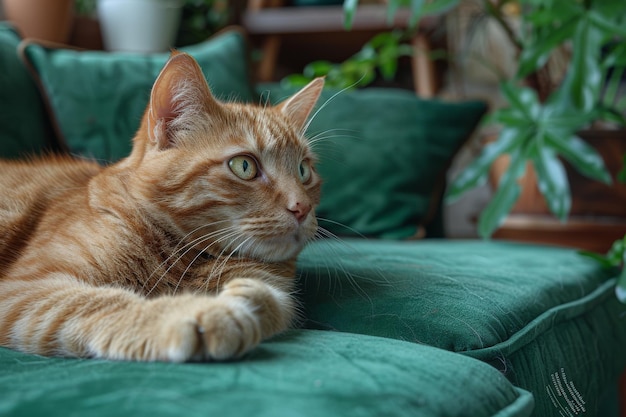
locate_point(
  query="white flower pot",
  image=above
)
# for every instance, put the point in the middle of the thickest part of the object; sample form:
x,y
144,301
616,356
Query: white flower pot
x,y
139,25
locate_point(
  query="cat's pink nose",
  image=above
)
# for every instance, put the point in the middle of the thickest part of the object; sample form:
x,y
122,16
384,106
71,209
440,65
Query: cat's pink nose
x,y
300,211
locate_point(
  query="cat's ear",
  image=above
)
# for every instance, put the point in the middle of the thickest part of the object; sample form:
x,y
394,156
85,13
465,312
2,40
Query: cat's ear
x,y
298,107
180,89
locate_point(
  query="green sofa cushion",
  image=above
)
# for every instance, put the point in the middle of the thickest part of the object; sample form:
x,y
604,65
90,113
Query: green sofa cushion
x,y
97,98
545,316
23,119
302,373
383,157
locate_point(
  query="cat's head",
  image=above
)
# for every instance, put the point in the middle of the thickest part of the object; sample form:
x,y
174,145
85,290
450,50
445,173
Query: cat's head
x,y
232,178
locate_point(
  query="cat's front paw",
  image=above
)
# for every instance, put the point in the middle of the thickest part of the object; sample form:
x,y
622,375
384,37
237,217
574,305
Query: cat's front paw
x,y
208,329
229,329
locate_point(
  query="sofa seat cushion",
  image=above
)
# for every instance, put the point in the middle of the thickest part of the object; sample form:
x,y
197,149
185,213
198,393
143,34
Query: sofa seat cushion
x,y
546,317
97,99
302,373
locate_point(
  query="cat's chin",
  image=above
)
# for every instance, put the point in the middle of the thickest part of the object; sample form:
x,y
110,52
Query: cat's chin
x,y
276,249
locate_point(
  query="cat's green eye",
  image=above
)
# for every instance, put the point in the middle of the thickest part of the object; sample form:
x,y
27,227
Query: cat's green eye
x,y
305,171
244,167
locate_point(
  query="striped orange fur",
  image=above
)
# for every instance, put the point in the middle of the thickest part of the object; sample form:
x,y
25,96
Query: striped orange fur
x,y
183,250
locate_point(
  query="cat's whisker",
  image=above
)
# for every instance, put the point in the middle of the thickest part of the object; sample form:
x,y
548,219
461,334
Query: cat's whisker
x,y
328,234
326,103
185,249
182,276
331,133
217,259
333,138
356,232
204,226
222,265
323,234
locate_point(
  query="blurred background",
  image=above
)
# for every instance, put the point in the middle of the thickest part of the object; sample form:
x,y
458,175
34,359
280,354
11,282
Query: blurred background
x,y
455,53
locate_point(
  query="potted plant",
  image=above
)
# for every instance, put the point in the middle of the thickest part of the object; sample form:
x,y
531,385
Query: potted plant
x,y
542,122
139,25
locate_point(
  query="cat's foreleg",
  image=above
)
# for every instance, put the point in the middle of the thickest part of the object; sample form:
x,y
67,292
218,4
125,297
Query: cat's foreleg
x,y
62,316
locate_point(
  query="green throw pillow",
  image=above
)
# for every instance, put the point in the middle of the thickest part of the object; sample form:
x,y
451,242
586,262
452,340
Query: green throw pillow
x,y
98,98
24,128
383,157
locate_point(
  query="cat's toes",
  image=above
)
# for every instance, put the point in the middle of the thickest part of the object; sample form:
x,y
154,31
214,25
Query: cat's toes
x,y
229,330
183,343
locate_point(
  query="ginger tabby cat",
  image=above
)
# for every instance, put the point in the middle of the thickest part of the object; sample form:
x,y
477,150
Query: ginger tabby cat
x,y
185,250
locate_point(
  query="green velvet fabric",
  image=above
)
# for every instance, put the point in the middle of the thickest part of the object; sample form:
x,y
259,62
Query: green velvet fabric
x,y
23,121
302,373
545,316
383,156
98,98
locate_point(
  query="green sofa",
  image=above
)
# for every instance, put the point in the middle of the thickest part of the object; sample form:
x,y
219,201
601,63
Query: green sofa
x,y
391,325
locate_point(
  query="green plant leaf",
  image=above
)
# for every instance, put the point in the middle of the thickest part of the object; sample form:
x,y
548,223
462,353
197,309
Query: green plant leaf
x,y
601,259
504,198
510,117
546,13
498,208
355,73
607,23
317,69
383,39
615,258
388,61
392,9
583,157
416,12
438,7
584,79
560,118
615,56
620,288
611,115
535,55
476,172
522,99
621,175
295,81
616,254
349,10
552,181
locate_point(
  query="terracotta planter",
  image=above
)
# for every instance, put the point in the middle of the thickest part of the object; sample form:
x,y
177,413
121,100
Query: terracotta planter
x,y
589,197
598,214
43,19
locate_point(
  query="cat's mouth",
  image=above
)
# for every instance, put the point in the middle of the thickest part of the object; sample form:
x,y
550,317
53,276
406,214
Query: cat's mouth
x,y
272,242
